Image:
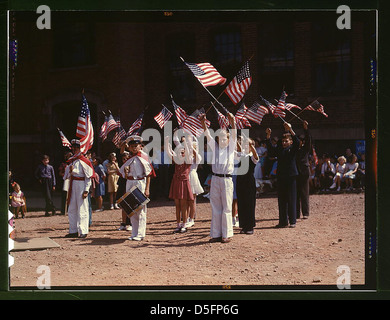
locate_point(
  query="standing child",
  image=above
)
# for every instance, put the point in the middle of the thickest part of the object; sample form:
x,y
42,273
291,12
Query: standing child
x,y
246,187
196,186
286,175
18,201
180,189
46,177
221,189
100,187
137,170
112,179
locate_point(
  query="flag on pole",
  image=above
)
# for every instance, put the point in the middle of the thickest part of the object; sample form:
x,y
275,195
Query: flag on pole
x,y
84,129
290,106
65,142
119,135
270,106
240,118
181,115
256,113
281,106
109,124
197,114
315,157
163,117
206,74
240,84
222,120
316,106
192,125
136,125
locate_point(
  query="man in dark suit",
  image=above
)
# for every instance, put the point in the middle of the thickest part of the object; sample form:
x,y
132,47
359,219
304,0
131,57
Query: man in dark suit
x,y
286,175
303,166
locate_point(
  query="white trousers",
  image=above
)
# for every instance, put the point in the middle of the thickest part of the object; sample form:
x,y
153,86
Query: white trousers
x,y
138,220
221,199
78,210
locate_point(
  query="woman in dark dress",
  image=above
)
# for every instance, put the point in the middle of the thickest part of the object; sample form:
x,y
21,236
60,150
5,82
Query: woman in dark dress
x,y
246,187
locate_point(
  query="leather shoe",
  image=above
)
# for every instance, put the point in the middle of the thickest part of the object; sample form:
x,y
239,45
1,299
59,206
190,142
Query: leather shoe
x,y
212,240
226,240
72,235
82,236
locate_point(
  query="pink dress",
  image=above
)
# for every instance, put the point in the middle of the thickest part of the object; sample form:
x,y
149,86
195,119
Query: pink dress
x,y
18,196
180,185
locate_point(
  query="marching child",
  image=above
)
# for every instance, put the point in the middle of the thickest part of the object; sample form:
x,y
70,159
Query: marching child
x,y
137,170
180,189
221,189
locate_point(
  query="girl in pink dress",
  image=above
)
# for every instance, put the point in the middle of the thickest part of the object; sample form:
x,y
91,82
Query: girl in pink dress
x,y
18,201
180,189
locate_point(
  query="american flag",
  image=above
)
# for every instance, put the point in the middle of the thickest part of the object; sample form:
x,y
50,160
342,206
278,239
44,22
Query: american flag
x,y
281,106
65,142
119,135
290,106
316,106
315,157
222,120
181,115
240,118
109,124
136,125
270,106
206,74
163,117
199,112
256,113
84,129
240,84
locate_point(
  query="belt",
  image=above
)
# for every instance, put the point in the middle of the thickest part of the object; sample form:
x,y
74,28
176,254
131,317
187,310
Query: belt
x,y
78,178
222,175
132,178
72,178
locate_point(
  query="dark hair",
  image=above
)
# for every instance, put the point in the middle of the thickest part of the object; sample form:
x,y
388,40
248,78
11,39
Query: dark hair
x,y
45,156
98,159
287,136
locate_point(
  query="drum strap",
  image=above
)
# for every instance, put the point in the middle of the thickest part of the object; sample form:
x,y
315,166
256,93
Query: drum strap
x,y
132,178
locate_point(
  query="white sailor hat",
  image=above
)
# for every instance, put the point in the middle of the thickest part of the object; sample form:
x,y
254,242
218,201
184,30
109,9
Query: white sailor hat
x,y
75,142
134,139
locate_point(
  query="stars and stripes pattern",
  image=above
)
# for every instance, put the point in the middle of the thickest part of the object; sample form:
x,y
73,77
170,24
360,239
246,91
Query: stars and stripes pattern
x,y
108,125
84,129
181,115
290,106
199,112
118,137
136,125
270,106
316,106
256,113
281,106
239,85
222,120
240,118
163,117
65,142
206,74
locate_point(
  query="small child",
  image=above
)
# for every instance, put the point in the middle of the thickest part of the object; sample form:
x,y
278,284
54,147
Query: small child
x,y
340,172
180,189
351,169
112,179
18,201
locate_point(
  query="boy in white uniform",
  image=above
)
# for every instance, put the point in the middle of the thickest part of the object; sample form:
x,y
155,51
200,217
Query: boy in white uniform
x,y
79,172
137,171
221,189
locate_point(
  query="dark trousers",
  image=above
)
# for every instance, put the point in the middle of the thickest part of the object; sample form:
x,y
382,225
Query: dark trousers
x,y
47,191
64,195
302,195
287,200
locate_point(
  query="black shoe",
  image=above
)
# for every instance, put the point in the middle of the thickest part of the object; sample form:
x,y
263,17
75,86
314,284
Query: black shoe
x,y
72,235
47,214
219,239
82,236
278,226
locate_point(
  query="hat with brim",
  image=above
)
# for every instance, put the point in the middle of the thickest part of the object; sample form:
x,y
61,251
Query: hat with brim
x,y
75,143
134,140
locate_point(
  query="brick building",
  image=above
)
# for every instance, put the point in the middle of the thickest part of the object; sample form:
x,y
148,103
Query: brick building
x,y
129,61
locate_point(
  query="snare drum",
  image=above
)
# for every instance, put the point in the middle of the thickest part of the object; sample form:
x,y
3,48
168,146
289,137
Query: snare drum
x,y
133,201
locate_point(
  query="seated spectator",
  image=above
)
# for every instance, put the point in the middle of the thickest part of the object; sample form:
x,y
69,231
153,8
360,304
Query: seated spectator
x,y
327,173
340,172
351,170
18,201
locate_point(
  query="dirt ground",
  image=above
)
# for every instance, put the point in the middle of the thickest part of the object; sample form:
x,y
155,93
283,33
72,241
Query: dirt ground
x,y
306,255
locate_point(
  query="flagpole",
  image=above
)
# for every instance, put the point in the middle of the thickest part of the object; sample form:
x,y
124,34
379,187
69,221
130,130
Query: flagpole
x,y
295,115
306,107
206,90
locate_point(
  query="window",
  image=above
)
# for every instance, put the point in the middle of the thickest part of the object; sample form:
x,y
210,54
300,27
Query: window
x,y
227,51
74,45
182,82
332,59
276,52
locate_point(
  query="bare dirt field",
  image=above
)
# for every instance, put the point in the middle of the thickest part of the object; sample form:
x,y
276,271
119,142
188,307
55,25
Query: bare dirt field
x,y
306,255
